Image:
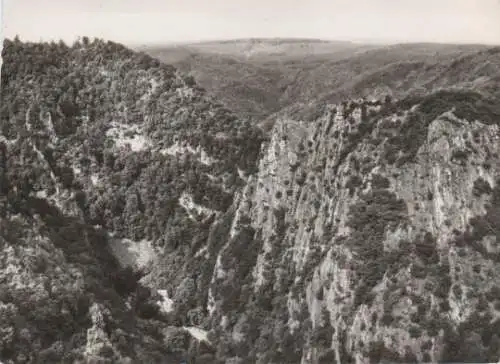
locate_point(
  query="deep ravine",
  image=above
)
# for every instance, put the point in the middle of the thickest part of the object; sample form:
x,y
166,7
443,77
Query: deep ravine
x,y
143,222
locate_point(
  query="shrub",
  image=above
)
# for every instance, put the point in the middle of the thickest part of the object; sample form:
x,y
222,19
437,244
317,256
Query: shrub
x,y
302,178
444,306
415,332
106,352
327,357
443,283
409,356
482,304
460,156
320,294
493,294
322,336
380,182
378,353
433,326
417,271
481,186
387,319
457,291
425,247
301,146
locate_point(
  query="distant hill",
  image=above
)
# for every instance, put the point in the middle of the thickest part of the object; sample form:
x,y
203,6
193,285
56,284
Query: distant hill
x,y
258,77
399,71
261,48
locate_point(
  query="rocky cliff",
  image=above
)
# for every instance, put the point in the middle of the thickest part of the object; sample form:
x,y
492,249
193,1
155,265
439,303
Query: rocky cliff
x,y
375,232
142,222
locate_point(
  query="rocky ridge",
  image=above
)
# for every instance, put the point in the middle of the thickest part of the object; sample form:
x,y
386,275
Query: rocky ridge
x,y
377,226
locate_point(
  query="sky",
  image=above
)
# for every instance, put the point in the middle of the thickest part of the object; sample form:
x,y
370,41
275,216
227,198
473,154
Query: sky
x,y
136,22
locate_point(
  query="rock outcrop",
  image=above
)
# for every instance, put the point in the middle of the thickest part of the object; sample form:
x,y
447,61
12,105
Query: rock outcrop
x,y
369,234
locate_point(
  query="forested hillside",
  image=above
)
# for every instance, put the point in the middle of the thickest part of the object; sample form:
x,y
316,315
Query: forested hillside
x,y
256,78
99,142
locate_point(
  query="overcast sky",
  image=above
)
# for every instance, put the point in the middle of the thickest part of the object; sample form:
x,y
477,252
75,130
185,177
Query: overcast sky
x,y
163,21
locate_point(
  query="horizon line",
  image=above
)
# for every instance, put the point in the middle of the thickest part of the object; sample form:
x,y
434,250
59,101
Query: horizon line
x,y
361,41
358,41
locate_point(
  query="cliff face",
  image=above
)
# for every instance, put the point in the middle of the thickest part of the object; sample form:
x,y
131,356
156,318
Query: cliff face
x,y
369,234
143,222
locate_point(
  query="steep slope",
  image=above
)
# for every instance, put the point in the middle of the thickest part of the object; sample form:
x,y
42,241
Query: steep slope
x,y
109,160
377,229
